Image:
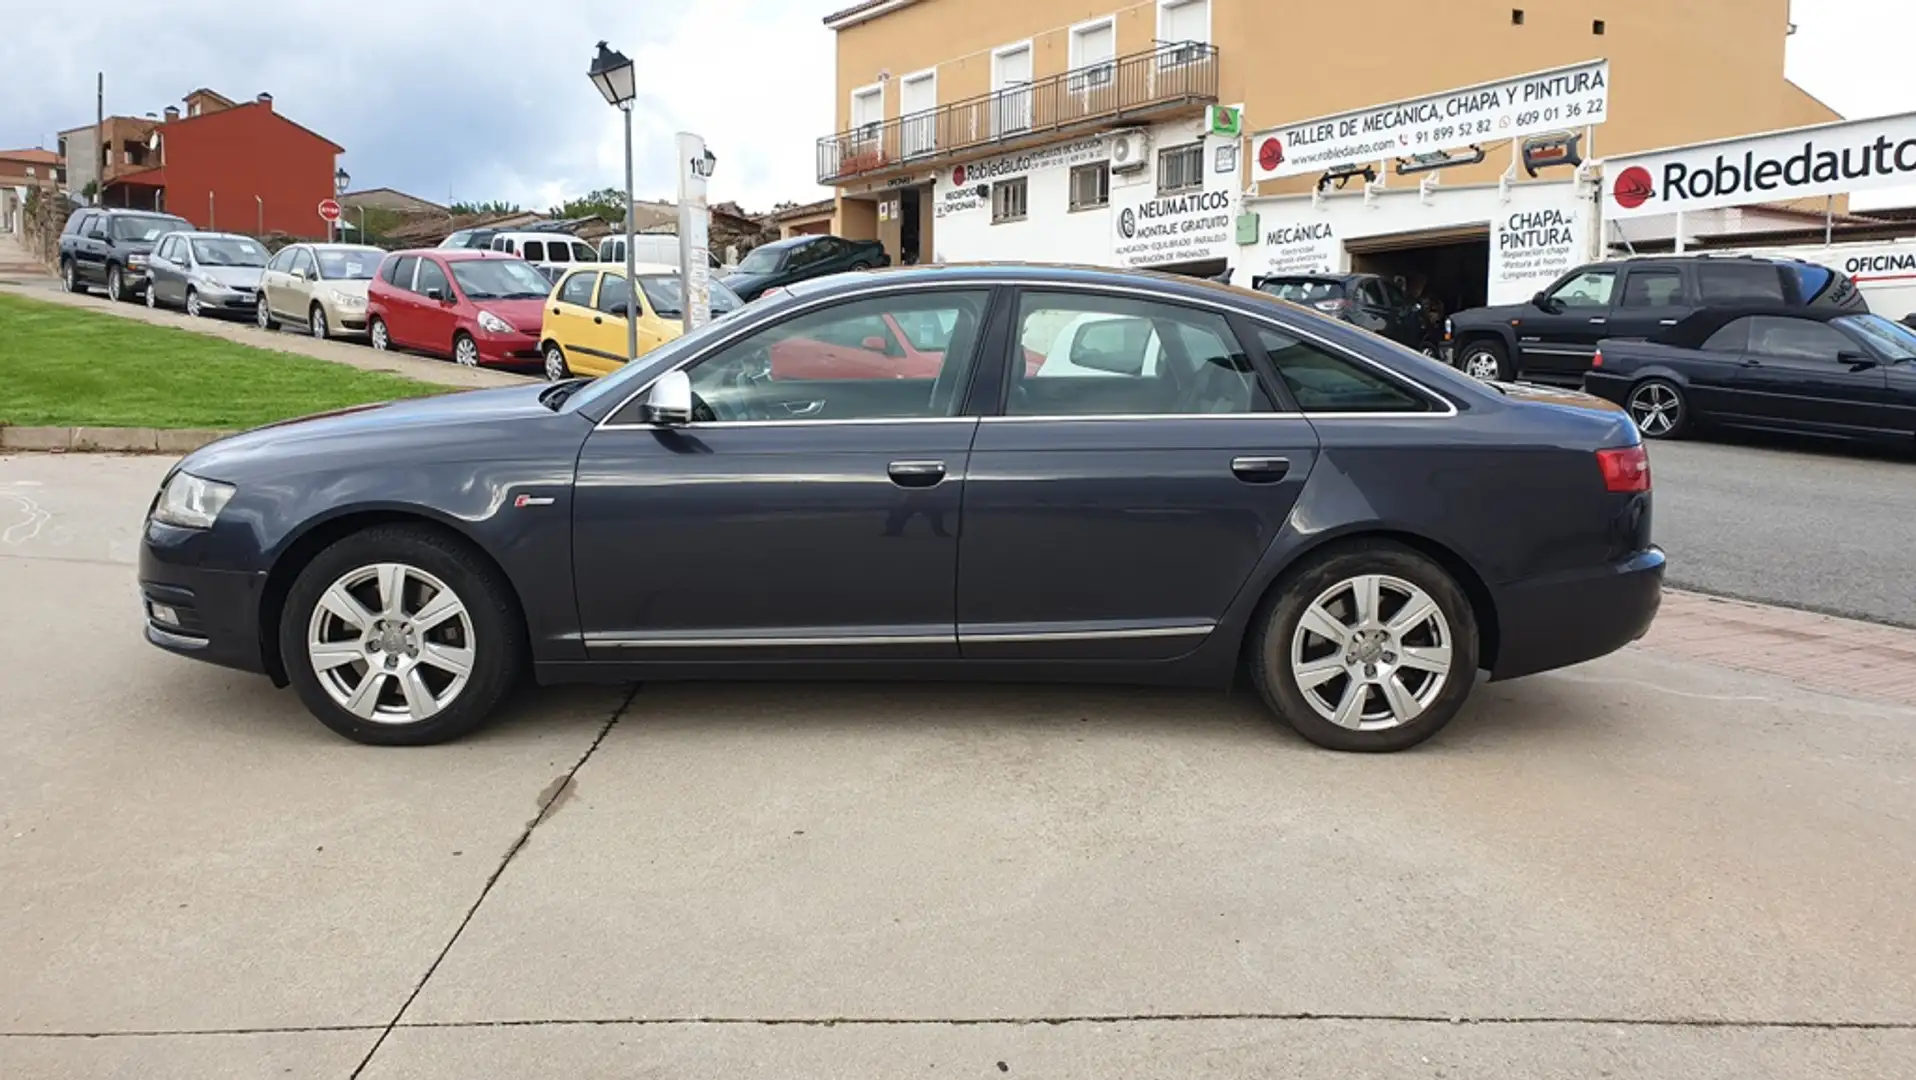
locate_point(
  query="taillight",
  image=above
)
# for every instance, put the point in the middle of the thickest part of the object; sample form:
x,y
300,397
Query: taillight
x,y
1626,469
1596,360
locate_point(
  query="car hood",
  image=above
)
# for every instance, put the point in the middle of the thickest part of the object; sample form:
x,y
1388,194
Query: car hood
x,y
526,315
233,277
473,425
349,286
1500,314
735,282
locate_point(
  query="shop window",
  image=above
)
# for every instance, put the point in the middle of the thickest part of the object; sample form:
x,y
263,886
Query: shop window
x,y
1091,186
1180,168
1008,201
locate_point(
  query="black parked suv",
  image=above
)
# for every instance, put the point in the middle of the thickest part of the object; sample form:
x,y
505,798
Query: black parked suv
x,y
1554,336
107,247
1376,303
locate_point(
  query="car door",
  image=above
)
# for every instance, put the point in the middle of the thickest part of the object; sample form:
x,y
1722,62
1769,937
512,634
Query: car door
x,y
92,247
1561,337
1651,298
1712,370
1807,375
749,534
273,281
435,308
161,275
401,303
1129,485
296,299
1370,308
605,333
567,314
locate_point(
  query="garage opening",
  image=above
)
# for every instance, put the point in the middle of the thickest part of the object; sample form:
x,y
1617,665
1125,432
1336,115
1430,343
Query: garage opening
x,y
1450,268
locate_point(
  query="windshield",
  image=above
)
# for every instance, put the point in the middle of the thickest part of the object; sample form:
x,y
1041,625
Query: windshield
x,y
500,279
348,264
1303,290
1893,340
228,251
145,227
760,261
663,293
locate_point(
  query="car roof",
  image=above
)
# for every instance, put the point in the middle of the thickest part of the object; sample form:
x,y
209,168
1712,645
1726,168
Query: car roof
x,y
460,254
637,268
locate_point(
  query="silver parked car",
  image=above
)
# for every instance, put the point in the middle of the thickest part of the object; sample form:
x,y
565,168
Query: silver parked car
x,y
205,273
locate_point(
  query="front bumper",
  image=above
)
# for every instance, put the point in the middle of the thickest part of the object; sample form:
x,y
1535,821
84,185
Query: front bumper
x,y
506,349
235,301
1566,619
207,614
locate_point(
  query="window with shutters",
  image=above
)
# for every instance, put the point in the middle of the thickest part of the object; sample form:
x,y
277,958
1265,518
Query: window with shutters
x,y
1180,168
1091,186
1008,201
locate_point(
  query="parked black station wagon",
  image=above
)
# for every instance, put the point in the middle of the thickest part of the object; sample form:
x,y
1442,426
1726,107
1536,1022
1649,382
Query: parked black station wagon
x,y
1073,474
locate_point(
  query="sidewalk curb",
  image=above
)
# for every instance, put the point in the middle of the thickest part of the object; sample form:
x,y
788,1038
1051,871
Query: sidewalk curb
x,y
107,440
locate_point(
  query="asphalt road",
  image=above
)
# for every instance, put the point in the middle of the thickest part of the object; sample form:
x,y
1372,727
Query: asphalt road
x,y
1641,868
1789,522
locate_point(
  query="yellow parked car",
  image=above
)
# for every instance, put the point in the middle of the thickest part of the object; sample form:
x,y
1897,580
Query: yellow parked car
x,y
584,331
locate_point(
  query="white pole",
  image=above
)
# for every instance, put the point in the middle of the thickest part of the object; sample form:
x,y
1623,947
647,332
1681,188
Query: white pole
x,y
694,231
1679,232
631,275
1829,218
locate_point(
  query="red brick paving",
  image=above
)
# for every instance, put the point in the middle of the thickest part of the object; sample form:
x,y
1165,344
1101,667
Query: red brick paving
x,y
1842,656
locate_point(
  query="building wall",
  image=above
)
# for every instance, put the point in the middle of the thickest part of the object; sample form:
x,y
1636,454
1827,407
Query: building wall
x,y
238,154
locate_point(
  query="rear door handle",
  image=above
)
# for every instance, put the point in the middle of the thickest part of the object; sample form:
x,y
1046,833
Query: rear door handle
x,y
1599,320
1261,470
1666,322
916,474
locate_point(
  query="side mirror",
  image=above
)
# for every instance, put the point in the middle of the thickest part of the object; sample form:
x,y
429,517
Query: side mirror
x,y
669,402
1540,302
1857,361
874,343
436,293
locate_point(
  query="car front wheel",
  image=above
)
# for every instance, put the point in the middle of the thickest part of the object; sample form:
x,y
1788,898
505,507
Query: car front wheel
x,y
115,284
377,333
263,313
70,276
193,307
1659,409
1369,648
401,636
316,322
1485,360
465,351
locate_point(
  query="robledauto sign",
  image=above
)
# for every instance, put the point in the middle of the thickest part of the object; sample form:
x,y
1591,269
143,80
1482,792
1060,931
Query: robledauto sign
x,y
1829,159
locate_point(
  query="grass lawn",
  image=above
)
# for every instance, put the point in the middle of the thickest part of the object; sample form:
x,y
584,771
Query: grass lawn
x,y
63,366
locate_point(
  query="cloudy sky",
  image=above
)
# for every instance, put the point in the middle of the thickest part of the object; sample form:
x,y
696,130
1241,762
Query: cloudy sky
x,y
465,100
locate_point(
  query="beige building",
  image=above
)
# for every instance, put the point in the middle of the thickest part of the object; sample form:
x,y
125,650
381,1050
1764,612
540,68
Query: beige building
x,y
952,115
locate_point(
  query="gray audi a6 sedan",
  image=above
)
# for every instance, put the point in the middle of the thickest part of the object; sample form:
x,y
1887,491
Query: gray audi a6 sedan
x,y
981,472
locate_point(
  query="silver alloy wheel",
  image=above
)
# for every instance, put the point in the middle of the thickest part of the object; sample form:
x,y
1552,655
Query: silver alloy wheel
x,y
555,364
72,276
114,284
192,301
1371,653
1656,408
465,352
318,322
152,296
1483,365
391,643
263,312
380,339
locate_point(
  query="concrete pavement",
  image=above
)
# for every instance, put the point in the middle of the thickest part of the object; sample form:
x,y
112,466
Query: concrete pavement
x,y
1649,866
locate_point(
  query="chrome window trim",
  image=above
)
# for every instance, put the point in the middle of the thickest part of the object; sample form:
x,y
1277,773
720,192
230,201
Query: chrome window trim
x,y
1449,407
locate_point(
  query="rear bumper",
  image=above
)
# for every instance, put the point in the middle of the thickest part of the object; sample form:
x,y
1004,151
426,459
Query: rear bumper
x,y
210,615
1567,619
1614,388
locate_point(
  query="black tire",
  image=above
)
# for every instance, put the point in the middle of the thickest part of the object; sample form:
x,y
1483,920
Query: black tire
x,y
263,312
378,335
70,277
860,266
461,341
498,646
1277,623
193,307
556,368
1486,353
316,323
115,283
1659,408
152,297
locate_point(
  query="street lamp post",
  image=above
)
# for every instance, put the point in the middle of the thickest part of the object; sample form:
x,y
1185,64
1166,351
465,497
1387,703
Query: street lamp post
x,y
341,181
612,72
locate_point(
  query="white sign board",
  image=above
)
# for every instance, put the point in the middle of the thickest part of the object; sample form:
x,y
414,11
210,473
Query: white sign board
x,y
1567,97
695,221
1529,249
1076,152
1304,246
1153,231
1828,159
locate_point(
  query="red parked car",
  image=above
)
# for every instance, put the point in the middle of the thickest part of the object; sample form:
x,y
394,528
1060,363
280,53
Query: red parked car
x,y
477,307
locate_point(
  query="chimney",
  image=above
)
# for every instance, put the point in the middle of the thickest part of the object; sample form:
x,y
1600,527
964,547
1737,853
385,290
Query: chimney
x,y
265,99
172,113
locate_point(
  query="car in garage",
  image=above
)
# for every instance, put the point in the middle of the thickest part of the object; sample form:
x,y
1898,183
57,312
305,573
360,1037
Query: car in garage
x,y
801,258
475,308
205,273
1372,301
584,325
1552,336
108,248
1815,372
1282,498
319,286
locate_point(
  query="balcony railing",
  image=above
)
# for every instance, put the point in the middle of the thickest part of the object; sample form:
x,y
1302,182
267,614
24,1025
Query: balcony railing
x,y
1179,74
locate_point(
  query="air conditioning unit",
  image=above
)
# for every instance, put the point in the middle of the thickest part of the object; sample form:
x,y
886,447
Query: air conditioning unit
x,y
1130,150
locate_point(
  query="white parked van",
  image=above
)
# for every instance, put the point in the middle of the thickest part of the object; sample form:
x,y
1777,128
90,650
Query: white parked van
x,y
662,248
551,252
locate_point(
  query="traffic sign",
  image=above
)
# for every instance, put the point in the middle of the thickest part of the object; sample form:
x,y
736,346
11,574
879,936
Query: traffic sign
x,y
329,210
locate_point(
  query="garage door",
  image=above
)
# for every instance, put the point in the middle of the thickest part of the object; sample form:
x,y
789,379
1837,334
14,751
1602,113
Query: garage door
x,y
1420,239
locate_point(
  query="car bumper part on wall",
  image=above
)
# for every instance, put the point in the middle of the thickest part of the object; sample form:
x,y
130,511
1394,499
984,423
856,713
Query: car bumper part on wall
x,y
1567,619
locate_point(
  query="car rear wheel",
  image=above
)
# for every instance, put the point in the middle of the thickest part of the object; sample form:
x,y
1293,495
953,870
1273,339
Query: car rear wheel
x,y
400,636
465,351
1659,409
193,307
1486,360
1369,648
316,322
557,370
377,333
70,276
115,284
263,313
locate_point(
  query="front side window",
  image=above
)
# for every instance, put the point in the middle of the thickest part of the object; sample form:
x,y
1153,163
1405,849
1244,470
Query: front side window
x,y
1797,339
1180,168
224,251
281,262
431,277
1091,186
578,289
845,362
499,279
1589,289
615,296
1088,355
1322,382
1008,201
303,264
1652,289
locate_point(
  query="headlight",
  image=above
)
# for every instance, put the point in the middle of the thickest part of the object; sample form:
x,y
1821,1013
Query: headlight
x,y
191,502
206,282
493,324
136,260
348,300
1446,329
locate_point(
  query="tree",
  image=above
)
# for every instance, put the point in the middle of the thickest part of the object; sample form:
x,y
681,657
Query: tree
x,y
496,206
607,204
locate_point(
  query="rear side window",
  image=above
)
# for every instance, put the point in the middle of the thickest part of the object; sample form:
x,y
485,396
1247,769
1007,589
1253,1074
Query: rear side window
x,y
1819,286
1740,283
73,223
402,271
1117,356
1652,289
1324,383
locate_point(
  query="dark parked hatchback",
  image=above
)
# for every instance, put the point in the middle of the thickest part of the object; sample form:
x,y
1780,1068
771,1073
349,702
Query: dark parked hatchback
x,y
801,258
1101,477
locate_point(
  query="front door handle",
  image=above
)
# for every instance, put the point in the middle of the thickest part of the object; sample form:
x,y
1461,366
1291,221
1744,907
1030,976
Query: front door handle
x,y
598,320
1261,470
1598,320
916,474
556,311
1666,322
